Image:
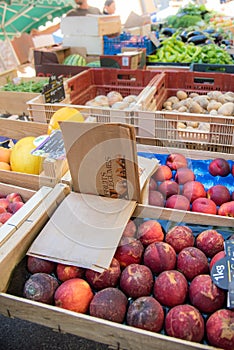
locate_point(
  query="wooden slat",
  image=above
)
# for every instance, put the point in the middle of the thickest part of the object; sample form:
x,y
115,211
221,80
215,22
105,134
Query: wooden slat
x,y
118,336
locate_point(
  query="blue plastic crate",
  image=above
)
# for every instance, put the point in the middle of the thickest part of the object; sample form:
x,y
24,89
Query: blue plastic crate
x,y
113,46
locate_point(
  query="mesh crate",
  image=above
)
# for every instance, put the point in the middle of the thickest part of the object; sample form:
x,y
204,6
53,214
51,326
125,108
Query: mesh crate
x,y
100,81
113,46
214,133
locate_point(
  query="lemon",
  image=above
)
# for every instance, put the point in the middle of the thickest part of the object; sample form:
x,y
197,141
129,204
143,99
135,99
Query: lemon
x,y
64,114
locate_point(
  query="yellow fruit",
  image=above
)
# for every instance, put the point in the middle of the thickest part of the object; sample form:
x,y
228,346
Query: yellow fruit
x,y
22,160
62,114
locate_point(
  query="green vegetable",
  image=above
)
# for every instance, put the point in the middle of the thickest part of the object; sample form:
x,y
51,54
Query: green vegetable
x,y
184,21
25,86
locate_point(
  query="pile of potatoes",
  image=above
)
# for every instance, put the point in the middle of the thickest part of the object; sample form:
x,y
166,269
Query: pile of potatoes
x,y
113,99
213,103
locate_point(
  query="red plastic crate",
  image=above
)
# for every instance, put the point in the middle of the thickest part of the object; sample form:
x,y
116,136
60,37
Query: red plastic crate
x,y
88,84
200,82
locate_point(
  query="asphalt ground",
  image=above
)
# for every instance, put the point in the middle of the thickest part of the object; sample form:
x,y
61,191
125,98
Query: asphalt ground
x,y
16,334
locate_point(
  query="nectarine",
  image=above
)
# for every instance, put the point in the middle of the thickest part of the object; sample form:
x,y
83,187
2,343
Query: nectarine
x,y
176,160
219,167
150,231
162,173
193,190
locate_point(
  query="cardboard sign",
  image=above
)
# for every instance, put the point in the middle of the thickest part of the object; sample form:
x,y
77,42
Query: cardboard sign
x,y
102,159
86,228
84,231
54,90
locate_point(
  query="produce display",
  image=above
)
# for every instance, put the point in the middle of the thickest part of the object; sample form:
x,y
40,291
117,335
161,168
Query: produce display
x,y
195,35
202,186
165,286
21,85
9,205
113,99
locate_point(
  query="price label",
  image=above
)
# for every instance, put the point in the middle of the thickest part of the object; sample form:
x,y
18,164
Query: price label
x,y
54,90
222,272
51,146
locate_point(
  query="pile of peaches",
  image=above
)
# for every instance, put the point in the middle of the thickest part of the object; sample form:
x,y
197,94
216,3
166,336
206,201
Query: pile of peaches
x,y
158,280
174,185
9,205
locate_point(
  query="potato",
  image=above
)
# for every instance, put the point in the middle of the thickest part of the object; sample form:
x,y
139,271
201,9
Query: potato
x,y
213,112
173,99
213,105
182,95
102,100
193,124
214,94
182,109
193,94
195,108
92,103
181,125
120,105
228,97
114,96
227,109
167,104
202,101
130,98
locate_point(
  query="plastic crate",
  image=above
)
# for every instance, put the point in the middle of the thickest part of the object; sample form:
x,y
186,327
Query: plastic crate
x,y
113,46
205,67
161,128
99,81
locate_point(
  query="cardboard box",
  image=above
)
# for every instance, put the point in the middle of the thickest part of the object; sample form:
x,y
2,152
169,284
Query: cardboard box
x,y
128,59
92,43
53,170
91,25
62,320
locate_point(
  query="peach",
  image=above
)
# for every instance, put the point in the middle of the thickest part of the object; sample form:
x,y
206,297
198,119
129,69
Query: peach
x,y
176,160
145,313
204,205
219,167
150,231
210,242
74,295
129,251
14,197
226,209
152,184
193,190
4,217
184,175
205,295
136,281
191,261
168,188
156,198
66,272
180,237
130,229
4,203
107,278
178,201
40,287
2,210
219,329
35,265
185,322
216,257
170,288
162,173
109,304
232,171
218,194
159,256
13,207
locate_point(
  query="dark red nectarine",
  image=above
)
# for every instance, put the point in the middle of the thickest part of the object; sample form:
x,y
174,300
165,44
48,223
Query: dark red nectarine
x,y
184,175
129,251
226,209
210,242
162,173
150,231
191,261
178,201
218,194
204,205
193,190
219,167
159,256
180,237
156,198
168,188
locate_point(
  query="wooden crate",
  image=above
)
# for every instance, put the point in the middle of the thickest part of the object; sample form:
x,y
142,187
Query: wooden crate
x,y
119,336
13,102
53,170
32,200
7,75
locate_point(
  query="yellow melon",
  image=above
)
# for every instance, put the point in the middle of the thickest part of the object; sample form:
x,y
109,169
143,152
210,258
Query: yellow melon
x,y
64,114
21,159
